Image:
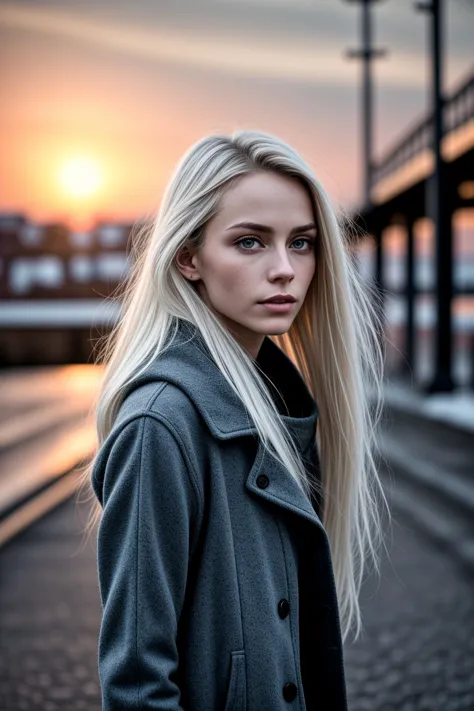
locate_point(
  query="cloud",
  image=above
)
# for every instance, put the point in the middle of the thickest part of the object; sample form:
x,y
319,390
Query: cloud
x,y
299,59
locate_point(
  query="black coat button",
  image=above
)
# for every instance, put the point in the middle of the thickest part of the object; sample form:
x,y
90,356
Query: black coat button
x,y
289,692
262,481
283,608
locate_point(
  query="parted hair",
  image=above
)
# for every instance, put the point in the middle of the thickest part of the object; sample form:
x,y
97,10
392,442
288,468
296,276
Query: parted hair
x,y
334,341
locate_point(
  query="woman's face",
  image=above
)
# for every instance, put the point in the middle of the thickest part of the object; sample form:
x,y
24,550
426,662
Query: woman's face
x,y
273,253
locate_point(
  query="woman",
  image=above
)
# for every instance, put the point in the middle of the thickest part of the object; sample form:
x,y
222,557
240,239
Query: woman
x,y
235,474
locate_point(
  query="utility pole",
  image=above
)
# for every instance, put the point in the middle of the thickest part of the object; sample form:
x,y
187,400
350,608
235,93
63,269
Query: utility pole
x,y
442,380
366,53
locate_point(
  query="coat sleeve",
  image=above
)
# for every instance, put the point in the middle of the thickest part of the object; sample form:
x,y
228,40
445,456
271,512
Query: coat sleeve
x,y
149,521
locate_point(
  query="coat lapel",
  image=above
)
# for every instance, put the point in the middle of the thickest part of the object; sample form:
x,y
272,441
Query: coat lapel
x,y
282,489
189,365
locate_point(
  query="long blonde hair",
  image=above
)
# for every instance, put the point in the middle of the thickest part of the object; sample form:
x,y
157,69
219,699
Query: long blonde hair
x,y
333,341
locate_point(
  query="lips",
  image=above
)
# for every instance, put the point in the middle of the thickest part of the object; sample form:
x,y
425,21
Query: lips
x,y
279,300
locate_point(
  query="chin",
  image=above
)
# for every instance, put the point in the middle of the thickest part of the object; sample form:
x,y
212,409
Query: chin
x,y
276,326
277,331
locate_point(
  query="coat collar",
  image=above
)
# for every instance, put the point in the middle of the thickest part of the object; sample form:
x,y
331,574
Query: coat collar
x,y
188,364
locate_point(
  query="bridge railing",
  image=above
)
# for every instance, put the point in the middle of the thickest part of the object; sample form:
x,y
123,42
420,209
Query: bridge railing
x,y
458,109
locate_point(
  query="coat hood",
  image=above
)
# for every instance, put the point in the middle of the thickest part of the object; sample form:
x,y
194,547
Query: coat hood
x,y
188,364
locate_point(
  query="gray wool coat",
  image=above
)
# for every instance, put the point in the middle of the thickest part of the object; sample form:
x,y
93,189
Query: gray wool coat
x,y
215,571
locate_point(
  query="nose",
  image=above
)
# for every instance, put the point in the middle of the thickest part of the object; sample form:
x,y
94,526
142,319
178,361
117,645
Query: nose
x,y
281,266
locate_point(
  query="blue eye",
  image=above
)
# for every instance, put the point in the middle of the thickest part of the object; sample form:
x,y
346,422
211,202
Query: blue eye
x,y
304,239
247,239
308,240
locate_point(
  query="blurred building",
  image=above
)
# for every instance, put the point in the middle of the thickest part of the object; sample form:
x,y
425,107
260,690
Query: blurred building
x,y
54,288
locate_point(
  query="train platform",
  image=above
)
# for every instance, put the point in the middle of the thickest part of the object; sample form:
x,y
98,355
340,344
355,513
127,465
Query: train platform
x,y
416,650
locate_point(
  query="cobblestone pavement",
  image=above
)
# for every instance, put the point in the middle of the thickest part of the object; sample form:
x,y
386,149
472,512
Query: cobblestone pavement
x,y
417,651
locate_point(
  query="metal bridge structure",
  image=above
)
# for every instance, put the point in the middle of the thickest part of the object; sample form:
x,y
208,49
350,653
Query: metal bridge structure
x,y
402,192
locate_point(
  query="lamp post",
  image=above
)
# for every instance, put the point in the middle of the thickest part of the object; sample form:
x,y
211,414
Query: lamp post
x,y
366,54
442,380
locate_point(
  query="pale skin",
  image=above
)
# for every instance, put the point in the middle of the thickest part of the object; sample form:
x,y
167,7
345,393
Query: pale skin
x,y
232,278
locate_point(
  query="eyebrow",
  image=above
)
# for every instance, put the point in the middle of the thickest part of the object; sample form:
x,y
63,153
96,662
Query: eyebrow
x,y
269,230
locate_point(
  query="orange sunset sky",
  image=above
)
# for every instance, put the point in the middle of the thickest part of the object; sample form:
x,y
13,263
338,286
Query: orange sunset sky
x,y
100,99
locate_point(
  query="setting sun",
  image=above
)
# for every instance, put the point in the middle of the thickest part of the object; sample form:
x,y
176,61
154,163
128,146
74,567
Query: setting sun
x,y
80,177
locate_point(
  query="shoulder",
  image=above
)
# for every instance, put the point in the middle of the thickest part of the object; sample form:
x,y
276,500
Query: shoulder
x,y
156,423
142,472
166,403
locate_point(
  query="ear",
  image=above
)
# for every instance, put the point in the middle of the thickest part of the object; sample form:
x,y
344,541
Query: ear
x,y
184,260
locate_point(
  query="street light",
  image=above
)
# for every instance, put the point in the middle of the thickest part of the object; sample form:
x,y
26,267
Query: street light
x,y
366,53
442,380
